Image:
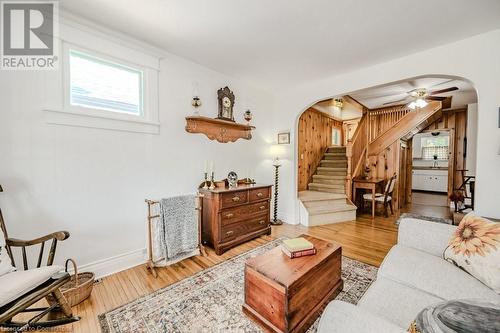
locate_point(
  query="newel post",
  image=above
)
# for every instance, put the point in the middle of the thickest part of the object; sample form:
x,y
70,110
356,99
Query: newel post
x,y
348,180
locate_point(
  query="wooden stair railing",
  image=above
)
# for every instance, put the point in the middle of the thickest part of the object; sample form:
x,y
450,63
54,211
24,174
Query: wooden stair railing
x,y
382,119
355,152
404,126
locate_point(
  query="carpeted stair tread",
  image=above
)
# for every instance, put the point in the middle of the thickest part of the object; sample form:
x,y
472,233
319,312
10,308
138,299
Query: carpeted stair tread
x,y
307,196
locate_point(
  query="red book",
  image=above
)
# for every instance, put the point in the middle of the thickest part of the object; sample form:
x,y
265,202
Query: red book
x,y
298,254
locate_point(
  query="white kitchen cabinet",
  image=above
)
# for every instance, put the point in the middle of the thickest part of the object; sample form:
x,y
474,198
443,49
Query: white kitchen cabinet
x,y
430,180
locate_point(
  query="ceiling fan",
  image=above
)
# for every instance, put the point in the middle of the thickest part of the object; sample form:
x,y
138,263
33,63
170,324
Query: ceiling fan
x,y
418,98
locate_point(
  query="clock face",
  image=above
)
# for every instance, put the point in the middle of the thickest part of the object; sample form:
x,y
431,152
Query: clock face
x,y
226,102
232,179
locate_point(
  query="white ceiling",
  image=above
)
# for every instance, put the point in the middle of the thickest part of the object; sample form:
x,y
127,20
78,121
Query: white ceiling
x,y
376,97
280,42
349,111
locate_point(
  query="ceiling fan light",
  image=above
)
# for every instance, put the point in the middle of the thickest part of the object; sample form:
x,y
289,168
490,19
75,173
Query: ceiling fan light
x,y
412,105
421,103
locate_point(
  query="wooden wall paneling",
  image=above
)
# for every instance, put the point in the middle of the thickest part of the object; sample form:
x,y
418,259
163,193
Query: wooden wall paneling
x,y
384,165
454,121
451,164
403,151
315,136
460,133
409,173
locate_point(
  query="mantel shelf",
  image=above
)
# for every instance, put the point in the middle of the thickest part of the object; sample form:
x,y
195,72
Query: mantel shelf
x,y
217,129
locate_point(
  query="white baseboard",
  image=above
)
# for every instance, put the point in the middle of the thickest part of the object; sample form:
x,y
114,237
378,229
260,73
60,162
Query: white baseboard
x,y
286,218
108,266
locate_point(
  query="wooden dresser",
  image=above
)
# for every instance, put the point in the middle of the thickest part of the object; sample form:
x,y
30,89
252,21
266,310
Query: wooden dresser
x,y
234,216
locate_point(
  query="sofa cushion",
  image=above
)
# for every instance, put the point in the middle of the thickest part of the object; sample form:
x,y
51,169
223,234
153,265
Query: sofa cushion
x,y
475,247
342,317
423,235
5,263
396,302
16,284
432,274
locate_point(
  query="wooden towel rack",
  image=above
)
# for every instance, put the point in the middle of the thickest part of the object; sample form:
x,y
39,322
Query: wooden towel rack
x,y
150,263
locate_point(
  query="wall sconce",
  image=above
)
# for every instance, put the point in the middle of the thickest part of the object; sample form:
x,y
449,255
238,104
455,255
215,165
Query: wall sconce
x,y
196,102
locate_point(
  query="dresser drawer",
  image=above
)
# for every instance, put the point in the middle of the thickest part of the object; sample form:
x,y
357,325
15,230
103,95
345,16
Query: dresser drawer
x,y
244,227
259,194
234,199
235,214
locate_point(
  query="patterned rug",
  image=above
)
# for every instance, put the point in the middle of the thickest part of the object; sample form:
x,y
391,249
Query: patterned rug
x,y
211,300
422,217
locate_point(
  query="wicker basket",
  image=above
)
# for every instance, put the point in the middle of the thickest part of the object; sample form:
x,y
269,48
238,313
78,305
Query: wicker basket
x,y
78,288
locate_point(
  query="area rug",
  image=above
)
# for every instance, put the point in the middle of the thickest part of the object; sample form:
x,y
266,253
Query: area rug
x,y
422,217
211,300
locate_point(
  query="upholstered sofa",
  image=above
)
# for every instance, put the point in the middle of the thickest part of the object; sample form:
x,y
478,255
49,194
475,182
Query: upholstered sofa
x,y
412,276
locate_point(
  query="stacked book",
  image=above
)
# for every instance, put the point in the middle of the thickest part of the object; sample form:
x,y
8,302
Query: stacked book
x,y
298,247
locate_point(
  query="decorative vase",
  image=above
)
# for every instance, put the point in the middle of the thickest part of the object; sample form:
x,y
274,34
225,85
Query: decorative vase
x,y
248,116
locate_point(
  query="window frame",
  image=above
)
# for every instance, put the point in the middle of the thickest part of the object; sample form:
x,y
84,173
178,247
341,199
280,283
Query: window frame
x,y
115,49
339,136
116,64
95,112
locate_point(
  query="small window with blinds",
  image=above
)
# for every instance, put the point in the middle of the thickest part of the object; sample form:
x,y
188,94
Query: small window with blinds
x,y
441,153
104,85
435,147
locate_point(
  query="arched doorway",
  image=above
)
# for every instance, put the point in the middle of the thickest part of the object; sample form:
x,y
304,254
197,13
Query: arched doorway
x,y
384,107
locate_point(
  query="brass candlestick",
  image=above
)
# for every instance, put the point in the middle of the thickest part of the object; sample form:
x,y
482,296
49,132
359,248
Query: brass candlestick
x,y
205,186
212,184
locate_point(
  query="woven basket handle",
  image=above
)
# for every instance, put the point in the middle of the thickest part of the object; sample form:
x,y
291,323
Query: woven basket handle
x,y
74,267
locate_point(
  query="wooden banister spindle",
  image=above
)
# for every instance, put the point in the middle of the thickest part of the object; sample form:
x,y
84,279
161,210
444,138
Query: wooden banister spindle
x,y
40,255
52,252
25,258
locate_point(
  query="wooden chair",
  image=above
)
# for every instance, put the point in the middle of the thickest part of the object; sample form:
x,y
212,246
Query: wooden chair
x,y
384,198
36,284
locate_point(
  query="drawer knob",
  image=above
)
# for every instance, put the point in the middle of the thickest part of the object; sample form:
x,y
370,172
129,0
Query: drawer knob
x,y
236,199
262,222
229,215
229,233
262,207
260,194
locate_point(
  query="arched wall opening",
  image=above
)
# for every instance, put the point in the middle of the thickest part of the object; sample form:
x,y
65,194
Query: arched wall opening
x,y
376,98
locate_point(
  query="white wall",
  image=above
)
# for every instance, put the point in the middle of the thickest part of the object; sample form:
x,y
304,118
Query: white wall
x,y
471,158
93,182
476,59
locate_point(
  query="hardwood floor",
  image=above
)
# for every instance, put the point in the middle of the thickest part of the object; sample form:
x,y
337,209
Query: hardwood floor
x,y
365,240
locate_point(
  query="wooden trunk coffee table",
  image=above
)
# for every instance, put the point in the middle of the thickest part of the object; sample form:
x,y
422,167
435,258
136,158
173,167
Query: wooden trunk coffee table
x,y
287,295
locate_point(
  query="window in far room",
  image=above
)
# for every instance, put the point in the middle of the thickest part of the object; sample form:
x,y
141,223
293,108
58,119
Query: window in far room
x,y
100,84
435,146
335,137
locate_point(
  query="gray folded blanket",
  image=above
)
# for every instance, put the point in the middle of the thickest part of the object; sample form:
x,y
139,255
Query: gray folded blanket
x,y
178,225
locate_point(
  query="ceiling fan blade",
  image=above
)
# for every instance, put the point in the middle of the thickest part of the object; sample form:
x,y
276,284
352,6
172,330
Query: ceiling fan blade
x,y
398,101
441,83
442,91
435,98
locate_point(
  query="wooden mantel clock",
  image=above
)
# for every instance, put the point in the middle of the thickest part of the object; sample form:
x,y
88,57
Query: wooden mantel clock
x,y
223,128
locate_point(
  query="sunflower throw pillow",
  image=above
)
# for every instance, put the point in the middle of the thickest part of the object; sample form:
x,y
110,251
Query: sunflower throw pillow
x,y
475,247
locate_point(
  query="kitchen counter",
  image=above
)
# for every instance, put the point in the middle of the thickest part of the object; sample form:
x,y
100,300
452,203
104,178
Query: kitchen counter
x,y
429,168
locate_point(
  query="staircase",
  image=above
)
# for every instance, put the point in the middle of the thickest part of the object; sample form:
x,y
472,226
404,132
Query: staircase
x,y
326,200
